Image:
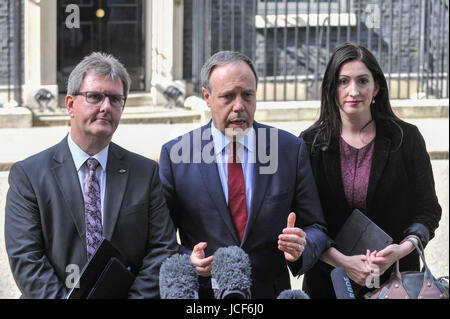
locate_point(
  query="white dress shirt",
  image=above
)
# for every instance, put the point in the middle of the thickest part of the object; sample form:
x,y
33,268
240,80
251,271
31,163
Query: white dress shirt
x,y
80,158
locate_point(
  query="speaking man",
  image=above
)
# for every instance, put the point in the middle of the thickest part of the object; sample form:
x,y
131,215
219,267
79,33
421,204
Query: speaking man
x,y
237,182
64,200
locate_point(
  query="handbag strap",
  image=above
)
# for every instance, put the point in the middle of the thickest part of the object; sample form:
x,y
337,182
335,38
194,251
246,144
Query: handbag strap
x,y
428,275
419,251
419,242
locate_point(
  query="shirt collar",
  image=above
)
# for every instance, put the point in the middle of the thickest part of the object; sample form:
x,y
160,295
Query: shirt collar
x,y
80,157
221,141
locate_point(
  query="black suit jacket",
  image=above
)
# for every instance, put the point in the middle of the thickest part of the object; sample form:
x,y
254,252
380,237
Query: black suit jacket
x,y
401,198
198,207
45,227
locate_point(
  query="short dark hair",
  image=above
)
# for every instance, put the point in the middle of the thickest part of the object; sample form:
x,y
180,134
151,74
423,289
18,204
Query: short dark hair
x,y
222,58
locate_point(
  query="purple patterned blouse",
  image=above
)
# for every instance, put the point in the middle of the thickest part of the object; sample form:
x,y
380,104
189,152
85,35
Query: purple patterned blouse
x,y
355,170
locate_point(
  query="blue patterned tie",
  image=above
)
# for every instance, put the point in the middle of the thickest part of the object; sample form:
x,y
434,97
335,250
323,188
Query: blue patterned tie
x,y
92,205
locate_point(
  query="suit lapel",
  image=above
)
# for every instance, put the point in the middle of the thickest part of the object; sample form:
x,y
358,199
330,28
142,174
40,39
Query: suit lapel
x,y
117,171
66,177
260,181
211,179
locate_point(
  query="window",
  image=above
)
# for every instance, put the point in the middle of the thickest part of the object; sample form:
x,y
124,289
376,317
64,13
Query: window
x,y
272,13
301,6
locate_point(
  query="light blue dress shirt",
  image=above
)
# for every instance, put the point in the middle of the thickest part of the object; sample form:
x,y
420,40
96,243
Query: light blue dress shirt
x,y
80,157
246,152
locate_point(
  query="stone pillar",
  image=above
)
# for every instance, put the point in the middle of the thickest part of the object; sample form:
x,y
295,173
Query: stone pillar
x,y
40,49
167,47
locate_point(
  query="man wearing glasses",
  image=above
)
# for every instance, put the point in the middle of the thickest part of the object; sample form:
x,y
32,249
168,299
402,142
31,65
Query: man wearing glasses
x,y
63,201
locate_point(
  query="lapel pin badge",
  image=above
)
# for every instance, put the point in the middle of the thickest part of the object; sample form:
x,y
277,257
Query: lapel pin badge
x,y
121,171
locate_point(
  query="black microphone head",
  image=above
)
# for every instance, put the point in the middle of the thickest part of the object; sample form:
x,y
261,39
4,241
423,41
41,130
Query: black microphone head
x,y
178,278
341,284
293,294
231,273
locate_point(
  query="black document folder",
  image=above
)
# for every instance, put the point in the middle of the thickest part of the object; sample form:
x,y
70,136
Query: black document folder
x,y
359,233
113,283
104,276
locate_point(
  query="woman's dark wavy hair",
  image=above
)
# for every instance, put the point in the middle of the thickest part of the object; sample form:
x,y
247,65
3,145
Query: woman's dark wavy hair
x,y
329,123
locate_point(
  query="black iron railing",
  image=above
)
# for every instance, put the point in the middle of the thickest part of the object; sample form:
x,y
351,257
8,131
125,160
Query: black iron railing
x,y
291,41
11,54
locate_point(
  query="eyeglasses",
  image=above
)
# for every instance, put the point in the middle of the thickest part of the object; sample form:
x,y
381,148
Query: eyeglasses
x,y
97,98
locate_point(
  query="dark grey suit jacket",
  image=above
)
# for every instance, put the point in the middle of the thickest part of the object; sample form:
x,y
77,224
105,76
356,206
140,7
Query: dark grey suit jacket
x,y
45,227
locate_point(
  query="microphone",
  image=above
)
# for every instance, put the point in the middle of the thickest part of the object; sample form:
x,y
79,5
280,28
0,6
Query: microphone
x,y
341,283
230,273
178,278
293,294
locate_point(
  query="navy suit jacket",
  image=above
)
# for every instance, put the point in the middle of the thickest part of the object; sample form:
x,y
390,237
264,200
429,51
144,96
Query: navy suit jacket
x,y
191,185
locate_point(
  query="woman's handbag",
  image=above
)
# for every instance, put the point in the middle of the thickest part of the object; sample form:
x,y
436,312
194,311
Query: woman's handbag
x,y
412,284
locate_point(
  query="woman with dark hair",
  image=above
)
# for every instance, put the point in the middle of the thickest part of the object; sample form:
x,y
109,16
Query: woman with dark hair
x,y
364,157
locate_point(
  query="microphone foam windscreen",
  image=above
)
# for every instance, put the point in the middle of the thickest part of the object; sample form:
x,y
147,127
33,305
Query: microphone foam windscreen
x,y
178,278
341,284
293,294
231,273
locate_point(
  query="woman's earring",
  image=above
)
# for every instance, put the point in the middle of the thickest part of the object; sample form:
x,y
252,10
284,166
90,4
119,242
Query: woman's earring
x,y
373,101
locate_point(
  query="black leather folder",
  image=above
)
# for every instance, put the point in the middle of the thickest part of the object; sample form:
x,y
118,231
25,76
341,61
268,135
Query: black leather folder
x,y
359,233
113,283
104,276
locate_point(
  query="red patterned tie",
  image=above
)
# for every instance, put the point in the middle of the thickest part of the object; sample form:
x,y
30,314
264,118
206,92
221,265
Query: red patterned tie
x,y
236,193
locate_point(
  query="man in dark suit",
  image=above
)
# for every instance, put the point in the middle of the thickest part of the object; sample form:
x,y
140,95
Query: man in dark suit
x,y
238,182
64,200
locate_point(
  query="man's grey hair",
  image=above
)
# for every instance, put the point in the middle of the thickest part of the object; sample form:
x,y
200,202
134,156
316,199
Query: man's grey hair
x,y
222,58
101,64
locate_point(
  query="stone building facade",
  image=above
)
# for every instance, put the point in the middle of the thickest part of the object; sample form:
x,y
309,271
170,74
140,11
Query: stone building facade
x,y
409,38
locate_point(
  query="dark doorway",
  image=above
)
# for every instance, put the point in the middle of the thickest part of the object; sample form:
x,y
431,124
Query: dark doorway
x,y
111,26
